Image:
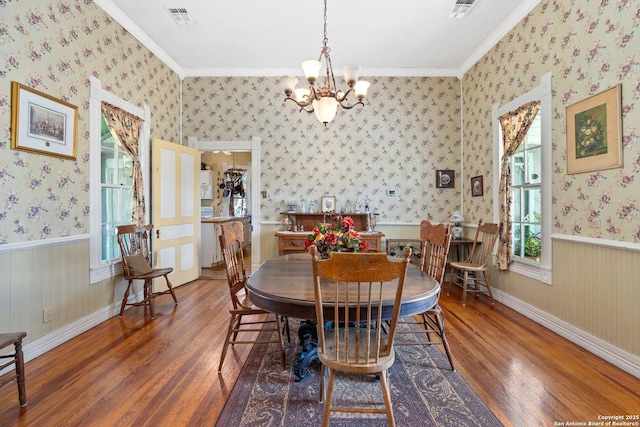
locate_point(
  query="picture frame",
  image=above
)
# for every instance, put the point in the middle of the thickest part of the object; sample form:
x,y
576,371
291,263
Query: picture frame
x,y
328,203
42,124
594,132
477,188
445,178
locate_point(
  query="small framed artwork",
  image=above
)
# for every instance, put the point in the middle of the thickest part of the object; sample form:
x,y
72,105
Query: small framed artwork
x,y
328,203
594,132
445,178
42,124
476,186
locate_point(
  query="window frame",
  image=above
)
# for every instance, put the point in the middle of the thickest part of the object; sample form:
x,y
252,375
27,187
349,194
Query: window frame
x,y
537,270
100,270
525,186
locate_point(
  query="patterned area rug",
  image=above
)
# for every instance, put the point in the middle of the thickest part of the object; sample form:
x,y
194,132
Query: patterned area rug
x,y
425,392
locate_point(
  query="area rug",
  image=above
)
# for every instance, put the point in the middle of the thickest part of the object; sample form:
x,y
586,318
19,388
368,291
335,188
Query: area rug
x,y
425,392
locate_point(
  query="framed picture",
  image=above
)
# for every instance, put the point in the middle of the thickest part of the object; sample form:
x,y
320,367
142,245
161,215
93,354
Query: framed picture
x,y
328,203
445,178
594,132
42,124
477,188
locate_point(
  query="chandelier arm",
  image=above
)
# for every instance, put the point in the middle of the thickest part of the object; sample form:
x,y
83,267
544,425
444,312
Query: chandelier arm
x,y
344,96
302,105
348,107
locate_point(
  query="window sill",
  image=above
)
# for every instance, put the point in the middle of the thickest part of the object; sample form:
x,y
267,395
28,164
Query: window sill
x,y
105,270
532,269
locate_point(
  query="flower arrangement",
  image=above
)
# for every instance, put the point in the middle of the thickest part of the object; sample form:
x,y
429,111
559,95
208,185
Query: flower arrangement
x,y
343,239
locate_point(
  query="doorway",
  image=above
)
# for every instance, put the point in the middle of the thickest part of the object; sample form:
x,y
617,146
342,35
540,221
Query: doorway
x,y
254,147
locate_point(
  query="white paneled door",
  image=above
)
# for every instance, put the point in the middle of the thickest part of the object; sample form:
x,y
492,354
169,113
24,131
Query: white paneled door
x,y
176,211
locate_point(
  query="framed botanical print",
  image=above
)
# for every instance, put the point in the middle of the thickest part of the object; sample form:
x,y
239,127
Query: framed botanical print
x,y
445,178
594,132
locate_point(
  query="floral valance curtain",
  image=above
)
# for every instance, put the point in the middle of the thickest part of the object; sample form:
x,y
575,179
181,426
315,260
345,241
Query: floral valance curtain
x,y
125,128
515,125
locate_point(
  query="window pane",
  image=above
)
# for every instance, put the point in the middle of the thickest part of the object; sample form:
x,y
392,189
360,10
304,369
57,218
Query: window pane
x,y
531,205
534,170
125,162
106,139
107,166
517,168
532,241
516,207
517,239
110,249
127,205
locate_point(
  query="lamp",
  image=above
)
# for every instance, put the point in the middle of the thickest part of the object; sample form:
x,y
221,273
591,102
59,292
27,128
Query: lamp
x,y
457,220
324,101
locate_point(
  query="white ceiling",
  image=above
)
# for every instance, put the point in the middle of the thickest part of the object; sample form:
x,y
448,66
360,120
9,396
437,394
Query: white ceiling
x,y
272,38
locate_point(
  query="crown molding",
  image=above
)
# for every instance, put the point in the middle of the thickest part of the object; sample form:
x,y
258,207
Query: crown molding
x,y
518,15
119,16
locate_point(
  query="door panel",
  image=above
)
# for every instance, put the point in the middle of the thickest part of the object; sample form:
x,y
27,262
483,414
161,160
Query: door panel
x,y
175,211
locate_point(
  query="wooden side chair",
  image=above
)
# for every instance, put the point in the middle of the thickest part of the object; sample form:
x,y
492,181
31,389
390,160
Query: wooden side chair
x,y
350,289
471,274
436,241
17,358
231,239
136,260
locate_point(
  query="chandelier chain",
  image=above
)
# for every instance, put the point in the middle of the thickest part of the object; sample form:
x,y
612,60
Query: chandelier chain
x,y
325,40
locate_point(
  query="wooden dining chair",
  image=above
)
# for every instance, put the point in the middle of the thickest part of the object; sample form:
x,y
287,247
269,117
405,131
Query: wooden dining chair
x,y
471,274
17,358
350,289
136,261
436,241
245,317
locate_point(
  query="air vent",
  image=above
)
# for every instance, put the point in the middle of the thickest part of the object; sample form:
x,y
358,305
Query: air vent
x,y
181,16
461,8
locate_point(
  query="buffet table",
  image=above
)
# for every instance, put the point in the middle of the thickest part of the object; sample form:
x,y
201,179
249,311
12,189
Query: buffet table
x,y
293,241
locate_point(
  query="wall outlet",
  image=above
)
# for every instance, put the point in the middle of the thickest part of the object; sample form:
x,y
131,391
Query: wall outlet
x,y
391,192
46,315
264,194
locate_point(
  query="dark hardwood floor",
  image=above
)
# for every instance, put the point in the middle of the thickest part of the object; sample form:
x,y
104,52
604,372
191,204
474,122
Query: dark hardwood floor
x,y
132,371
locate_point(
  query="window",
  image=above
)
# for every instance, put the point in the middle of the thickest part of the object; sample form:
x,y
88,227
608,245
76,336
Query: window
x,y
526,214
111,191
531,176
116,192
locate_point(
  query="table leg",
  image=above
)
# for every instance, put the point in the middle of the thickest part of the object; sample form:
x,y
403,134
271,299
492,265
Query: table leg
x,y
308,338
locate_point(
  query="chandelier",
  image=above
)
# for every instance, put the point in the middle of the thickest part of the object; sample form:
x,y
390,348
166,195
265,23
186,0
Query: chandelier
x,y
324,101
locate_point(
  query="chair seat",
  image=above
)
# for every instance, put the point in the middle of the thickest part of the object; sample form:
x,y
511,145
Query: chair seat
x,y
10,338
468,266
157,272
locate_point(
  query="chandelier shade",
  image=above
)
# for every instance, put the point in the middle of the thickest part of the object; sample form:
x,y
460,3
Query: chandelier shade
x,y
325,99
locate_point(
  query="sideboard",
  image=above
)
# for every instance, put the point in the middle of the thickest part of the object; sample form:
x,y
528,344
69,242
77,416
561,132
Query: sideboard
x,y
293,241
310,220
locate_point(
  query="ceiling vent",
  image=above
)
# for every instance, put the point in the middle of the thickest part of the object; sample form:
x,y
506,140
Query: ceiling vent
x,y
461,8
182,17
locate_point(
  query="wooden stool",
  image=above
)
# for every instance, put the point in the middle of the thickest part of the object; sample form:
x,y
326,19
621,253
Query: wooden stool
x,y
6,340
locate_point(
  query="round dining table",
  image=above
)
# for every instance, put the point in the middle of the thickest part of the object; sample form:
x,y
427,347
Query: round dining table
x,y
284,285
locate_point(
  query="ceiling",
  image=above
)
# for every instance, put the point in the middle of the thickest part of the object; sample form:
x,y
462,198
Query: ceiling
x,y
272,38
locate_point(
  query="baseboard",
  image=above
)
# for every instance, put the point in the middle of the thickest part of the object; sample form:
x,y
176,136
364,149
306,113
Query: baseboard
x,y
48,342
620,358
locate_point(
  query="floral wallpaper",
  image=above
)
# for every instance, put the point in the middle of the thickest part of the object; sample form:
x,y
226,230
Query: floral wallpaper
x,y
589,47
53,47
409,128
